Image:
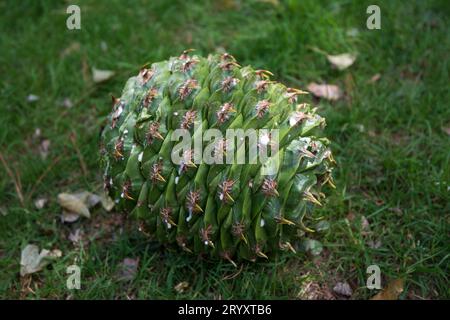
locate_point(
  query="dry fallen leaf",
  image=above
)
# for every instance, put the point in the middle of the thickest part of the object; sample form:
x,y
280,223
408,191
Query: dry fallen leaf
x,y
182,287
374,244
127,269
313,290
101,75
343,289
446,130
32,98
107,202
391,292
74,204
365,225
66,103
76,236
326,91
73,47
32,260
40,203
342,61
44,148
69,217
375,78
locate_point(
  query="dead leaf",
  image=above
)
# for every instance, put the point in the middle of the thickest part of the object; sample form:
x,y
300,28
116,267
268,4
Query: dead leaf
x,y
69,217
32,261
375,78
74,204
128,268
37,134
101,75
44,148
73,47
107,202
92,200
40,203
182,287
327,91
32,98
76,236
374,244
364,223
446,130
66,103
342,61
392,291
343,289
352,32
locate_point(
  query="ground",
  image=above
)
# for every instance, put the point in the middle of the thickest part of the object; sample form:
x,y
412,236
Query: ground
x,y
390,135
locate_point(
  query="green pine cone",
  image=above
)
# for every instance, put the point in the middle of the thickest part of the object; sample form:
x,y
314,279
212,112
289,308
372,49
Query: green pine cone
x,y
232,210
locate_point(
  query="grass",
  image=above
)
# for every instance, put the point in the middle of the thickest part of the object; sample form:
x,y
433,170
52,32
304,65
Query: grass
x,y
388,138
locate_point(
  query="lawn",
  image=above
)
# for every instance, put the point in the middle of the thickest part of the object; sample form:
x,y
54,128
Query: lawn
x,y
390,135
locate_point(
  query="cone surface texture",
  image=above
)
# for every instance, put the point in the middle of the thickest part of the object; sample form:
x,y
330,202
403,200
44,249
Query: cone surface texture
x,y
232,210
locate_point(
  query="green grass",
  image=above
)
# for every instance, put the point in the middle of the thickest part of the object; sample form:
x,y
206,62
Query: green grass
x,y
388,139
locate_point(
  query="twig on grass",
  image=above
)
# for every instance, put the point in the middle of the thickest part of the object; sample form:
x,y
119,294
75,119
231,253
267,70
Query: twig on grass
x,y
15,179
42,176
73,139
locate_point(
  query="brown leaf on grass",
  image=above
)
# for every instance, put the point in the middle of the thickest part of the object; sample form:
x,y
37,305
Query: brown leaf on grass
x,y
182,287
78,204
446,130
101,75
351,216
327,91
32,98
342,61
107,202
76,236
227,4
66,103
74,204
32,260
374,78
44,148
69,217
40,203
343,289
73,47
313,290
365,225
374,244
127,269
85,71
392,291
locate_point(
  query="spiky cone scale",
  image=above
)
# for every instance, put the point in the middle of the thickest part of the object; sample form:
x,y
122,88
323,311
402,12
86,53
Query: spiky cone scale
x,y
230,211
